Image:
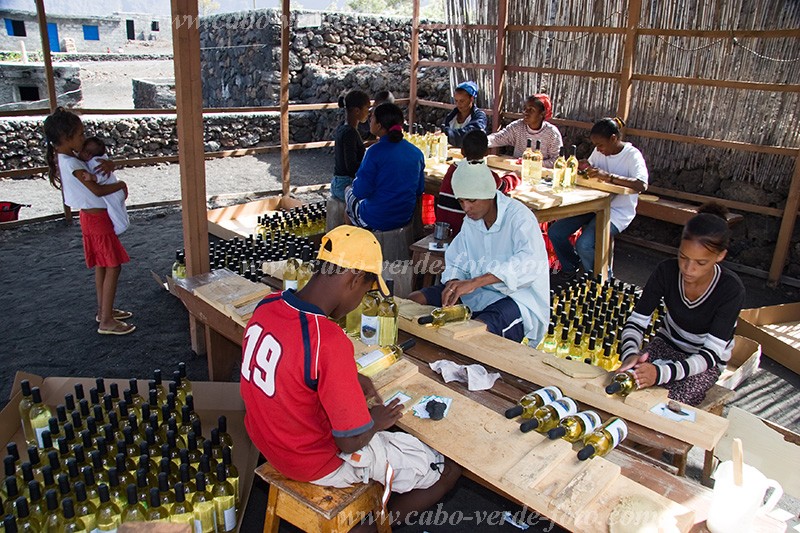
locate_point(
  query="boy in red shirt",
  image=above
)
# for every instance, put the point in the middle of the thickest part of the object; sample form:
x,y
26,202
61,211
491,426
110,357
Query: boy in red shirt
x,y
306,404
474,148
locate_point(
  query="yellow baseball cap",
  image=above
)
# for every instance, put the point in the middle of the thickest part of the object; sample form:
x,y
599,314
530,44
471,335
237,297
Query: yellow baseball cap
x,y
356,248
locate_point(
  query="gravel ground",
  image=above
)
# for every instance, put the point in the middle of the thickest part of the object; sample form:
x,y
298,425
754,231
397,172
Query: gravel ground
x,y
107,84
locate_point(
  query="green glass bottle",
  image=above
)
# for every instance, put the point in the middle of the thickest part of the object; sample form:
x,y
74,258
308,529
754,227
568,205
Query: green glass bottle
x,y
108,515
134,511
224,501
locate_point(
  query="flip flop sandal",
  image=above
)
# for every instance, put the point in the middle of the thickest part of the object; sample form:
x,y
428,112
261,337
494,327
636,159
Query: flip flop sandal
x,y
120,329
117,314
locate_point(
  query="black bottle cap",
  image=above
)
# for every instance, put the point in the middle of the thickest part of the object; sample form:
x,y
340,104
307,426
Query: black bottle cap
x,y
410,343
131,492
557,432
514,412
529,425
427,319
614,388
586,452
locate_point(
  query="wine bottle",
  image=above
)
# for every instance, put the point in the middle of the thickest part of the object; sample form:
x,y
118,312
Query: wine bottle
x,y
194,454
373,362
622,384
48,479
388,313
536,164
205,515
576,351
36,503
10,473
186,475
559,167
54,518
182,511
225,438
108,515
115,488
134,511
39,416
304,272
291,269
178,268
224,501
25,522
176,387
91,485
445,315
534,400
548,343
165,495
25,405
547,417
604,439
230,470
64,487
574,427
10,524
84,509
145,480
35,460
369,318
12,492
527,165
156,512
571,169
186,385
72,524
563,348
352,322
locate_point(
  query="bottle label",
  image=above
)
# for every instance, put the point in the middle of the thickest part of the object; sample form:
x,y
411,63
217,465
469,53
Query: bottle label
x,y
39,432
290,284
564,407
198,526
98,530
548,394
370,357
370,329
590,419
230,519
618,430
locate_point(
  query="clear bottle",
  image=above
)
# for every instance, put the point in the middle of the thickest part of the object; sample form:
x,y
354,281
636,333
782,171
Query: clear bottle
x,y
134,511
353,321
205,515
622,384
115,489
536,164
136,400
224,501
370,327
54,518
592,352
25,522
548,416
575,427
563,348
92,492
576,351
186,385
388,314
559,167
571,168
9,524
373,362
304,272
25,405
39,416
182,511
179,266
549,343
604,439
156,512
165,495
12,492
291,269
72,524
36,505
230,470
529,403
446,315
84,508
225,438
527,165
108,515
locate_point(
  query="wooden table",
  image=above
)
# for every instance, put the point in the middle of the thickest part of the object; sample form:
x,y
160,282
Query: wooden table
x,y
426,263
551,205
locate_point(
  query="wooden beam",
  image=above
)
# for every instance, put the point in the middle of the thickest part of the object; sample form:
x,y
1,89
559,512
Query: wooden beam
x,y
716,143
460,27
700,198
732,84
564,71
721,34
787,227
413,66
285,29
628,56
454,64
566,29
500,65
441,105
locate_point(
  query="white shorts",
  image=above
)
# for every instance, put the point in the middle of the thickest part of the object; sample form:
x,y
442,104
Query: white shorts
x,y
415,464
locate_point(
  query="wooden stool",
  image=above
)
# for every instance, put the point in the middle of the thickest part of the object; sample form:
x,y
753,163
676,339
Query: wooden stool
x,y
316,509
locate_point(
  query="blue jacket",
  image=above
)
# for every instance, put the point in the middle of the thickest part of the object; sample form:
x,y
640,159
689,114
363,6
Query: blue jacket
x,y
477,121
389,181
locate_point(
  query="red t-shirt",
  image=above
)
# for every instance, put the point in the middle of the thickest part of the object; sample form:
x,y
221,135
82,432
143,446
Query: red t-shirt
x,y
300,387
447,207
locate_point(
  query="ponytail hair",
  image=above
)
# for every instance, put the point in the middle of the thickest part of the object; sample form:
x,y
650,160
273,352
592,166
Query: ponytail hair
x,y
59,126
606,127
709,227
354,99
390,117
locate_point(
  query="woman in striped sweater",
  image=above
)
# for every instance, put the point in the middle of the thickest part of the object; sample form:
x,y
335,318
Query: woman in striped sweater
x,y
703,300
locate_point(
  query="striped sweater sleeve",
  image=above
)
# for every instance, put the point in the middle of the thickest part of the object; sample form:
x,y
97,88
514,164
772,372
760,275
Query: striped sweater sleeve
x,y
633,333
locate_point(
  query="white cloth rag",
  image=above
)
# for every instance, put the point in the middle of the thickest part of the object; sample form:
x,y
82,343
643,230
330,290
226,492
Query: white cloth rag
x,y
475,376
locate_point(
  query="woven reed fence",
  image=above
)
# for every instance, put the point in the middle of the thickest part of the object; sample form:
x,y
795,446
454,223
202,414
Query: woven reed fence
x,y
593,54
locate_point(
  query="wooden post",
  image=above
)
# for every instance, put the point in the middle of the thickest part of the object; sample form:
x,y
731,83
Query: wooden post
x,y
787,227
634,15
51,83
285,29
500,65
189,109
412,89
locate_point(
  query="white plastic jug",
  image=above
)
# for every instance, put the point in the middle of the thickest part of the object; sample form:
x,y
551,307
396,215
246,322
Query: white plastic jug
x,y
733,508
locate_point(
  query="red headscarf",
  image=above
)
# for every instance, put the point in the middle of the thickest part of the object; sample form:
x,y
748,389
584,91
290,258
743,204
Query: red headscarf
x,y
548,105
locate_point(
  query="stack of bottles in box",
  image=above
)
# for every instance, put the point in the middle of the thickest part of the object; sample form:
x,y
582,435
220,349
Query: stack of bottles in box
x,y
587,318
116,458
303,221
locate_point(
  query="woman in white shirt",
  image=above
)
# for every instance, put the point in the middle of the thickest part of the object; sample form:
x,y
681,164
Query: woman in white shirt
x,y
612,161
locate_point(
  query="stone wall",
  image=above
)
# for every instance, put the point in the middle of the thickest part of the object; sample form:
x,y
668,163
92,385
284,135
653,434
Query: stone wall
x,y
19,81
153,93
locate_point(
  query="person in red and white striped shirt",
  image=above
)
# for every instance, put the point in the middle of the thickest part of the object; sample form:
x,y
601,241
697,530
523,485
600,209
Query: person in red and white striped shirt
x,y
534,126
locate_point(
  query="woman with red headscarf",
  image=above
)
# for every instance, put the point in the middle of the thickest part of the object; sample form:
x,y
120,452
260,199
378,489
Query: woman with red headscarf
x,y
534,126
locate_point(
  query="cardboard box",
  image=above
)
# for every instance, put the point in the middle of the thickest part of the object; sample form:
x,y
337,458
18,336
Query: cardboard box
x,y
211,399
745,358
777,329
239,221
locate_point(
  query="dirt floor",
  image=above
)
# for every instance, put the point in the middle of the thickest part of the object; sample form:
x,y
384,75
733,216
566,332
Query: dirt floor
x,y
49,305
107,84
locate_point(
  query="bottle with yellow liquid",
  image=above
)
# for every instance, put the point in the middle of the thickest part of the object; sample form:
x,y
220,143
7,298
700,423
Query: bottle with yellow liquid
x,y
575,427
179,266
205,515
25,405
548,416
25,522
54,518
291,269
230,470
72,524
604,439
527,165
134,511
571,168
370,327
388,313
536,164
84,509
107,517
304,273
559,166
446,315
156,512
529,403
563,348
549,343
622,384
224,501
39,416
36,504
608,360
373,362
352,322
576,351
592,352
182,511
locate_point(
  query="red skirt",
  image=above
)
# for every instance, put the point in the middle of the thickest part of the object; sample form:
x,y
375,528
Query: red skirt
x,y
101,246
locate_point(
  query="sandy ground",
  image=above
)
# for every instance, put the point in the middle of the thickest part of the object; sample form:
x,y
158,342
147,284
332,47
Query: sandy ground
x,y
107,84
